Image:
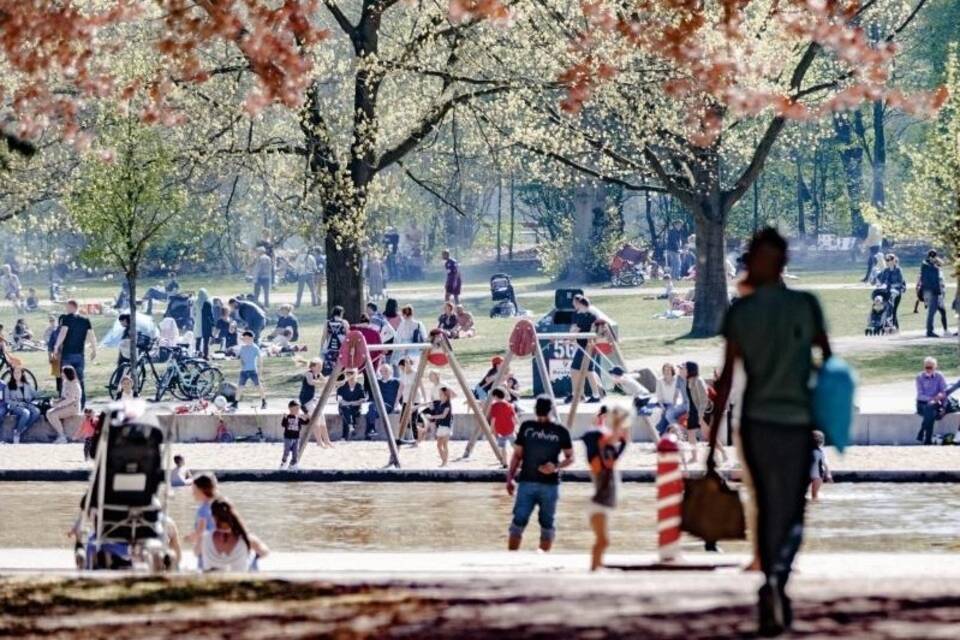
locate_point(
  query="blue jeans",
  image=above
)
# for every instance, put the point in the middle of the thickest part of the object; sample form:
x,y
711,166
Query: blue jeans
x,y
664,421
535,494
932,300
77,361
349,418
930,414
262,284
25,414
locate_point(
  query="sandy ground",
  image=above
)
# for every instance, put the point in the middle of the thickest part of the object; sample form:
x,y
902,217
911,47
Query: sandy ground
x,y
495,595
374,455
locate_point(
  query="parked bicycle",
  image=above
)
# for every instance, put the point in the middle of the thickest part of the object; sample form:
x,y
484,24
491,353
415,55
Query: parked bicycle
x,y
184,377
6,370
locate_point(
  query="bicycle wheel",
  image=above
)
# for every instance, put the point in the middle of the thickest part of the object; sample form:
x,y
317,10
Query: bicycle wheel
x,y
113,385
8,376
207,383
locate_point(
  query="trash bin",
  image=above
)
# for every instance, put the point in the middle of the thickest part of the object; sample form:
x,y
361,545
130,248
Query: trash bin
x,y
559,354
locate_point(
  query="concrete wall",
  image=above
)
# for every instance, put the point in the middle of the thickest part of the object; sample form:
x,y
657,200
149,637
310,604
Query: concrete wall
x,y
869,429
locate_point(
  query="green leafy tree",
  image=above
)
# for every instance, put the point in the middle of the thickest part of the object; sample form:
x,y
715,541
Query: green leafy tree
x,y
129,198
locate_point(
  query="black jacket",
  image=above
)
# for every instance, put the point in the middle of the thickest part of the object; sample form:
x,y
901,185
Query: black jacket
x,y
929,278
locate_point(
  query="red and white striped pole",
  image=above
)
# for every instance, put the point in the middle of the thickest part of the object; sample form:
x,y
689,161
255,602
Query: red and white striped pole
x,y
669,498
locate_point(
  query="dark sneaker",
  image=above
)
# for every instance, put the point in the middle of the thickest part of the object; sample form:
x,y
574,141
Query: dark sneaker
x,y
568,400
770,609
592,400
263,404
933,335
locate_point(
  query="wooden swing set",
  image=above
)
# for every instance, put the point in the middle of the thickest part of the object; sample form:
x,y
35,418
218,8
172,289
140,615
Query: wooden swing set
x,y
437,351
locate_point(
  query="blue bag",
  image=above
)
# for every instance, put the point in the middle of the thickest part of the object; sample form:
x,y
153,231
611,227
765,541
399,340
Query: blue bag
x,y
833,401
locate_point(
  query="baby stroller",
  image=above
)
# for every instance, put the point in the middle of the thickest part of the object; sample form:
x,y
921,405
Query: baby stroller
x,y
123,513
180,308
626,267
880,320
505,300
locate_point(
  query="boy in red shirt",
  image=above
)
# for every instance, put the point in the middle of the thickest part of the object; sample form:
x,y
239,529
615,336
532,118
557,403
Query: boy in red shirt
x,y
503,419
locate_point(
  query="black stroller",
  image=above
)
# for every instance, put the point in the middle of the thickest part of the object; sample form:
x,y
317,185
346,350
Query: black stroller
x,y
505,300
180,308
880,320
122,519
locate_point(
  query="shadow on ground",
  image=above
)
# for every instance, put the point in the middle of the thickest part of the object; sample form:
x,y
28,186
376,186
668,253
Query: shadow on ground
x,y
230,608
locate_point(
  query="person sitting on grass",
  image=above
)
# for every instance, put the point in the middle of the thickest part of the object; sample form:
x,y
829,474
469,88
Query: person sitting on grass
x,y
23,337
447,321
32,301
251,362
292,423
286,320
466,324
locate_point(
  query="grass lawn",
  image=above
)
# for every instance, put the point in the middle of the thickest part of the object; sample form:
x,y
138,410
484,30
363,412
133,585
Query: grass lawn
x,y
641,334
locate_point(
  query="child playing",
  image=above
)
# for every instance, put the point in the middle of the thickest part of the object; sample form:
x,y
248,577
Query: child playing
x,y
350,397
604,447
312,379
503,419
87,430
819,472
204,492
292,423
180,476
250,363
441,417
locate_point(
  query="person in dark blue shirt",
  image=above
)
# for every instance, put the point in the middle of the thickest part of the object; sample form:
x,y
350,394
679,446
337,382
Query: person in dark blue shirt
x,y
390,390
286,320
251,315
350,397
930,289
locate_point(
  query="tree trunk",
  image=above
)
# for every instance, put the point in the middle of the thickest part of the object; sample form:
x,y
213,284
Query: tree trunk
x,y
651,226
710,295
879,198
344,275
801,193
132,290
851,156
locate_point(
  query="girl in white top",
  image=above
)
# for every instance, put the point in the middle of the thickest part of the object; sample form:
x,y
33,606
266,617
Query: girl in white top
x,y
68,405
666,395
410,331
169,333
228,546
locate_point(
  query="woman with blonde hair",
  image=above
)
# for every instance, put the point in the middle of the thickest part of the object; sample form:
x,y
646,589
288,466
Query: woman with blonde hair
x,y
605,444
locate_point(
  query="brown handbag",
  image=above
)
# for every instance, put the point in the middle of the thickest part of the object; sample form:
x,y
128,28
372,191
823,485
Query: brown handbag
x,y
711,509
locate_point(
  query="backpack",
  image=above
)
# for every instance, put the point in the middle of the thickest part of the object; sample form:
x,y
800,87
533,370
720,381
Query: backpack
x,y
833,401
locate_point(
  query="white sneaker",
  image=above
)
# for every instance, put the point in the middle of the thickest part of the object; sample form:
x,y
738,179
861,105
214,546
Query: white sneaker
x,y
283,465
294,467
16,438
61,440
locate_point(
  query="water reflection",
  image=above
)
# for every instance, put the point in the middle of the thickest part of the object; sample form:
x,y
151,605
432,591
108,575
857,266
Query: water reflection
x,y
418,516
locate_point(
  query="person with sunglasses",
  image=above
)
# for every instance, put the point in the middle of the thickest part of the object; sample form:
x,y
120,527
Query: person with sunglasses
x,y
891,279
931,392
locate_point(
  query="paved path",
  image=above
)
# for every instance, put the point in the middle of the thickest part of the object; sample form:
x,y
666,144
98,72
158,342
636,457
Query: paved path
x,y
483,595
374,455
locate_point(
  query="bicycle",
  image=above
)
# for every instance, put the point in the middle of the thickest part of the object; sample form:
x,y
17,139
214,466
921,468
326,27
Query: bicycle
x,y
6,370
186,378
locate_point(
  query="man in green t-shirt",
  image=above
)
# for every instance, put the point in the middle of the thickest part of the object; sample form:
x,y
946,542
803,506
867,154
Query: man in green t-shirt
x,y
772,330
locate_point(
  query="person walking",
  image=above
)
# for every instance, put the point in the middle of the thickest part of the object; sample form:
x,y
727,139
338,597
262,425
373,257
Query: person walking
x,y
204,309
892,281
376,281
773,330
534,474
453,284
873,242
75,334
251,367
262,276
674,244
931,392
307,278
930,289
